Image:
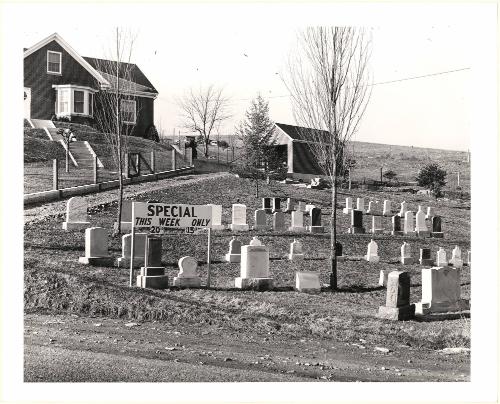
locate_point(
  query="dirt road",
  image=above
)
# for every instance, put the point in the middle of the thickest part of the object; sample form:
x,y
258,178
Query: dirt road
x,y
79,349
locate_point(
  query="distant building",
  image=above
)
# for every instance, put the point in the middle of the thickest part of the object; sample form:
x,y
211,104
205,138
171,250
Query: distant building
x,y
58,82
294,142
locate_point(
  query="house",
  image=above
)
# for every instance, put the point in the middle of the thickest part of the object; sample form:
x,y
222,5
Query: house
x,y
294,144
61,84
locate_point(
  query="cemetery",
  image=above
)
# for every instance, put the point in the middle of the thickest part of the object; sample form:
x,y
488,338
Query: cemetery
x,y
269,269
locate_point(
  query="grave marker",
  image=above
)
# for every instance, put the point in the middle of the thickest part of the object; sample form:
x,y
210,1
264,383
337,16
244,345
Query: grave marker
x,y
377,225
409,229
396,226
356,222
387,208
290,205
216,217
187,277
371,208
297,222
139,250
348,205
260,220
254,268
276,205
307,282
425,257
296,252
153,273
456,258
316,226
420,225
234,254
239,218
430,212
403,209
267,204
436,227
360,204
76,214
441,260
372,253
96,248
397,304
278,221
406,258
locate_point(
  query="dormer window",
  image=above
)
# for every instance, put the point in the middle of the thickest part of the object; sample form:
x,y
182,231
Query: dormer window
x,y
54,62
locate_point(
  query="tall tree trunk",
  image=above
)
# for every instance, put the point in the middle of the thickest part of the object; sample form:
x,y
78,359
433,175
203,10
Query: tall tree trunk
x,y
207,141
333,233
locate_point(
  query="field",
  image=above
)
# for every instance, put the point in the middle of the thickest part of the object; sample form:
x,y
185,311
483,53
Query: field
x,y
223,334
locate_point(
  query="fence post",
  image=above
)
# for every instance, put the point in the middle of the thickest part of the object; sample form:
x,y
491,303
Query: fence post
x,y
95,169
55,174
153,161
174,158
189,156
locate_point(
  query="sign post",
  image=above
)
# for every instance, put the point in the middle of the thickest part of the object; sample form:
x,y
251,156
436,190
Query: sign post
x,y
208,256
132,246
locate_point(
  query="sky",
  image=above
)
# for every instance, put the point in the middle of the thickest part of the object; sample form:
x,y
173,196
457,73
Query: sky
x,y
247,57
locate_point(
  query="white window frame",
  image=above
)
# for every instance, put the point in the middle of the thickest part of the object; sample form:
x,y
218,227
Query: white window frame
x,y
85,107
135,111
87,110
60,62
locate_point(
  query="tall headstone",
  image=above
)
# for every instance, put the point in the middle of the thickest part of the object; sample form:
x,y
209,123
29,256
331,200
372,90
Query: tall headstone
x,y
260,220
387,208
76,214
403,209
307,282
234,254
372,253
436,231
126,219
420,225
397,304
153,273
187,276
96,247
371,208
441,260
302,206
430,212
239,219
360,204
406,258
216,217
316,226
348,205
456,258
308,208
356,222
267,204
297,221
296,252
254,268
441,291
409,228
278,221
276,205
290,205
139,250
425,257
396,226
377,225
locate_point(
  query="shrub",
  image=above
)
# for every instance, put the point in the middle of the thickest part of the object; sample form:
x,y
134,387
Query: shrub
x,y
433,177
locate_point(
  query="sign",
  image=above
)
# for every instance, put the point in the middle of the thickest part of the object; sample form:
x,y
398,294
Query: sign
x,y
195,230
158,217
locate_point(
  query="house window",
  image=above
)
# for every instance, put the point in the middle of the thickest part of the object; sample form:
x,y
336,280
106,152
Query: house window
x,y
54,62
91,104
78,102
128,111
63,98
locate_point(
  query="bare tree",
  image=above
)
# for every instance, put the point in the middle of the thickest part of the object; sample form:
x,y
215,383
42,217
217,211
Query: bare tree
x,y
203,111
329,82
116,108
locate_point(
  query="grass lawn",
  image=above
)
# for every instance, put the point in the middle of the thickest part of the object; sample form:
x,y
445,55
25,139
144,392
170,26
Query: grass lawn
x,y
56,282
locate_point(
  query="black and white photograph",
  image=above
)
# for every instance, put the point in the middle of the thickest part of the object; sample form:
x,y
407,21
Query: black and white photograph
x,y
249,202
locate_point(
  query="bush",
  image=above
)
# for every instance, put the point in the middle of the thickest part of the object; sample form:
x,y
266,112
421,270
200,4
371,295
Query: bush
x,y
433,177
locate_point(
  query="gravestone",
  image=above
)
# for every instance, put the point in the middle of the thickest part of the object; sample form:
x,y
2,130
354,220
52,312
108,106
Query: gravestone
x,y
441,260
377,225
372,253
302,206
307,282
348,205
420,225
276,205
126,219
371,208
360,204
430,212
267,205
396,226
403,209
387,208
397,304
296,252
297,221
139,250
308,208
316,226
96,248
254,268
356,222
441,291
278,221
76,214
456,258
216,217
290,205
339,250
239,218
187,276
234,254
409,229
255,241
436,227
406,258
260,220
425,257
153,273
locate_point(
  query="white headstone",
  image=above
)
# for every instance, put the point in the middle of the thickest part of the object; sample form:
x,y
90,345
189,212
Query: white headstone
x,y
409,227
296,250
234,254
360,204
187,276
406,258
216,217
441,260
254,268
377,225
302,206
139,250
239,217
430,212
96,247
260,220
348,205
307,282
456,257
372,253
371,208
297,221
403,209
420,225
255,241
76,214
278,221
387,208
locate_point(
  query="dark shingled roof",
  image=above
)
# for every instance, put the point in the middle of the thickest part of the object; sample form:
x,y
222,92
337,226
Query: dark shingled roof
x,y
136,75
304,134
